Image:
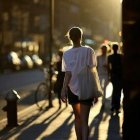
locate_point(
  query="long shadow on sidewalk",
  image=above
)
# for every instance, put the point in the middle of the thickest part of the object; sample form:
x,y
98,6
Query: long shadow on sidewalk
x,y
62,132
26,130
94,126
113,131
114,128
35,130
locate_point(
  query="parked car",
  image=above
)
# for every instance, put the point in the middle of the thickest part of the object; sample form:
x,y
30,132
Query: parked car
x,y
36,60
13,61
26,62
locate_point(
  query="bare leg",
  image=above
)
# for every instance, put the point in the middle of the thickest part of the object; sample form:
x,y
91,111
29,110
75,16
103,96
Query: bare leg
x,y
85,109
76,109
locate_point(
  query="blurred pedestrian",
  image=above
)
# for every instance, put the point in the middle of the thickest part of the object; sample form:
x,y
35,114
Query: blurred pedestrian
x,y
115,73
59,78
73,61
102,67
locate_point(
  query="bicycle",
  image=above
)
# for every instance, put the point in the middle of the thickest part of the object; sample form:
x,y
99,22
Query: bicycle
x,y
42,90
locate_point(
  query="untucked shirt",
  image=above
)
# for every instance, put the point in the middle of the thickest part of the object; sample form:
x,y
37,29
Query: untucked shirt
x,y
102,65
74,60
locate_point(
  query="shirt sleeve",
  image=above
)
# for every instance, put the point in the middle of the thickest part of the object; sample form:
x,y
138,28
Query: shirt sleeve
x,y
92,60
65,63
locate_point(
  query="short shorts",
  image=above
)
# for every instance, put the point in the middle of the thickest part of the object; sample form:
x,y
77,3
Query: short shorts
x,y
73,99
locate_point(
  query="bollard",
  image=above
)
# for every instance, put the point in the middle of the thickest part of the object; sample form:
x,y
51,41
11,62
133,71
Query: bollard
x,y
11,108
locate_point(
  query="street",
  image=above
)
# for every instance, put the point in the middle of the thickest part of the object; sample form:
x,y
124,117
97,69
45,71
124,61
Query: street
x,y
19,79
24,82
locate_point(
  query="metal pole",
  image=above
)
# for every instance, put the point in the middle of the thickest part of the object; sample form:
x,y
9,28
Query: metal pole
x,y
50,48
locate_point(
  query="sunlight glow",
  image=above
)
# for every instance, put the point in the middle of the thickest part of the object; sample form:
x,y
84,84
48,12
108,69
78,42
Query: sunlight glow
x,y
121,1
109,89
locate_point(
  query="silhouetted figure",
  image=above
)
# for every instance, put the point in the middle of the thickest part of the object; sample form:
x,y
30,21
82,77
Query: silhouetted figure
x,y
74,59
60,78
115,73
102,67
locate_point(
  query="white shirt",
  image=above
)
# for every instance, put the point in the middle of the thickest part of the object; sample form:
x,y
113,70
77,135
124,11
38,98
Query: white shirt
x,y
74,60
102,65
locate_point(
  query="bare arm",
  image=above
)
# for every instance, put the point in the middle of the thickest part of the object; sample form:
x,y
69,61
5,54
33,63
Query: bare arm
x,y
65,86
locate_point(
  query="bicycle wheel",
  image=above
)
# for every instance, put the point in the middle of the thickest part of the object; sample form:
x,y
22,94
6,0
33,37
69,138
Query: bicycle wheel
x,y
41,95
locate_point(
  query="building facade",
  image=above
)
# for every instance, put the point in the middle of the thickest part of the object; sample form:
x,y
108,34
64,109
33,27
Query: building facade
x,y
23,21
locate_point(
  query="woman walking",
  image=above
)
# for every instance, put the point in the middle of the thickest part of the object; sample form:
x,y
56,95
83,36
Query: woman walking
x,y
73,61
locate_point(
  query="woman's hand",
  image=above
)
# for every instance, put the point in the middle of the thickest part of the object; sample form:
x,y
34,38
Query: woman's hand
x,y
64,95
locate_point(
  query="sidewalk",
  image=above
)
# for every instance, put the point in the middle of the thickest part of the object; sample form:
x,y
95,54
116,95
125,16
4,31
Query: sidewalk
x,y
57,124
